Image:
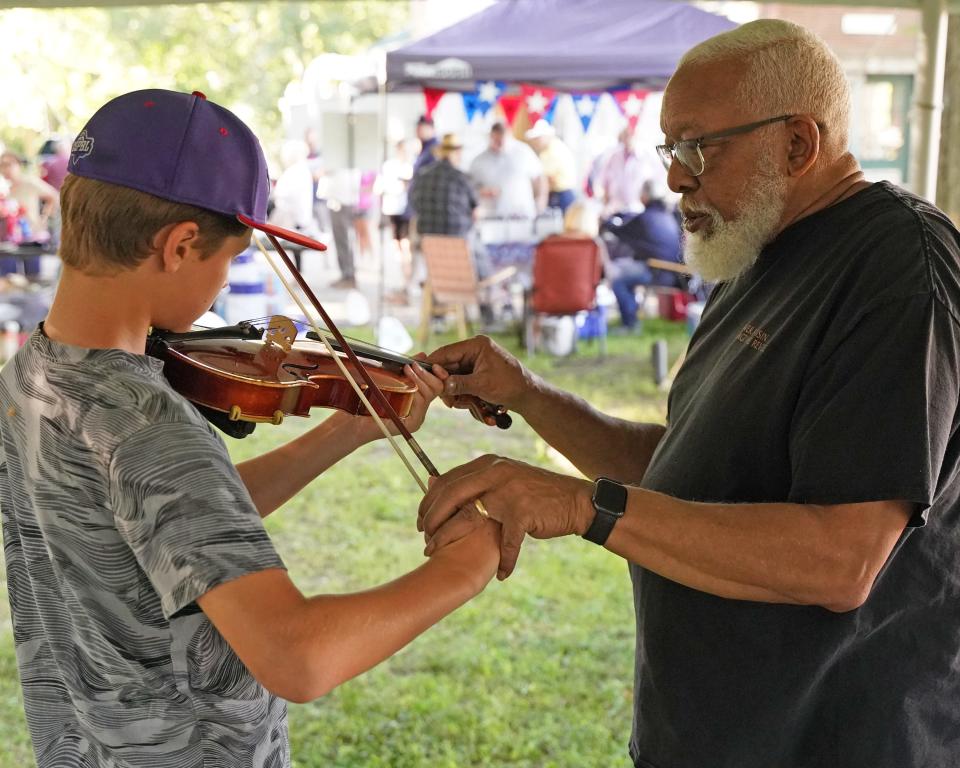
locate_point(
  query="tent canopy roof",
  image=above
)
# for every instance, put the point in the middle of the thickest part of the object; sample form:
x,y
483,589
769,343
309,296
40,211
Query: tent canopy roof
x,y
563,44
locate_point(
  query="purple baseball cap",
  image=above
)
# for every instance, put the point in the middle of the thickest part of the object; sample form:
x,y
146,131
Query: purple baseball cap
x,y
183,148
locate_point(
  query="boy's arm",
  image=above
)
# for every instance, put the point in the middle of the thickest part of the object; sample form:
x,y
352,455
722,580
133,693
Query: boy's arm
x,y
277,476
301,648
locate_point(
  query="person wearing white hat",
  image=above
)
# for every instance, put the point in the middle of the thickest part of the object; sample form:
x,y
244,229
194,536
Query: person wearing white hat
x,y
559,164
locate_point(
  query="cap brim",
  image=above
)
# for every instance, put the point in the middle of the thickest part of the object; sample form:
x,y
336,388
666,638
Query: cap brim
x,y
284,234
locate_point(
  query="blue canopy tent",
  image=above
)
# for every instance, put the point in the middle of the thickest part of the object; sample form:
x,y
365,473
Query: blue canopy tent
x,y
574,45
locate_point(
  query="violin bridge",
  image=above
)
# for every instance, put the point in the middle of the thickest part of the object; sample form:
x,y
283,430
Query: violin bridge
x,y
281,331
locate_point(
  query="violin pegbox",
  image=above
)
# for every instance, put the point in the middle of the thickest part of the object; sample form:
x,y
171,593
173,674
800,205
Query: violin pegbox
x,y
281,331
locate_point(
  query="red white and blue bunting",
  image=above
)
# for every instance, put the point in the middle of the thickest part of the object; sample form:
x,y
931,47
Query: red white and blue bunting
x,y
538,101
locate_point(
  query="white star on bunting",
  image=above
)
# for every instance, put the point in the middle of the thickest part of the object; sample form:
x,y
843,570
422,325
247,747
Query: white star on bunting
x,y
537,103
632,106
584,106
488,92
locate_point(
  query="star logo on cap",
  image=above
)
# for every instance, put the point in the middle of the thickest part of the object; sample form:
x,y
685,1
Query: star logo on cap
x,y
82,146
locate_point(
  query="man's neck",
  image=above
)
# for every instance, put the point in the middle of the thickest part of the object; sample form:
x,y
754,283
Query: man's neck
x,y
840,181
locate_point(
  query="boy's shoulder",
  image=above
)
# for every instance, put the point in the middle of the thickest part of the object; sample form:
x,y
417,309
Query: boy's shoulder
x,y
108,395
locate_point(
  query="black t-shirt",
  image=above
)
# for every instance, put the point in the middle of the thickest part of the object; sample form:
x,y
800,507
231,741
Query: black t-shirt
x,y
826,374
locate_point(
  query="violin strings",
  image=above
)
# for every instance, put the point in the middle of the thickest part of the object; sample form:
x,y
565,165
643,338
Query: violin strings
x,y
357,344
343,369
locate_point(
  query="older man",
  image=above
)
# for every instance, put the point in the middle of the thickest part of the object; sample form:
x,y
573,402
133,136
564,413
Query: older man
x,y
792,532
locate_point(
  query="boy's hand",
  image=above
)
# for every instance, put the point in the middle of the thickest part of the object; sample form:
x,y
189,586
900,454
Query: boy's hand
x,y
429,387
476,552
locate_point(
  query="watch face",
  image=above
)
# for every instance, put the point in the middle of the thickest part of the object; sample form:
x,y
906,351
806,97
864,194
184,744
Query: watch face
x,y
610,496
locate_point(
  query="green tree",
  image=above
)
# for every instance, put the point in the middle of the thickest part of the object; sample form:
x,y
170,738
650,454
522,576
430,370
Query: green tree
x,y
60,65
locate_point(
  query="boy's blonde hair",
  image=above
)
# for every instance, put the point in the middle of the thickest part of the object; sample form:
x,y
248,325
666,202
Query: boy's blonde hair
x,y
107,228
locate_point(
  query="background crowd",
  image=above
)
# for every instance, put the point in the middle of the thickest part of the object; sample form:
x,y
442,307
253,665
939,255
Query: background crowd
x,y
519,188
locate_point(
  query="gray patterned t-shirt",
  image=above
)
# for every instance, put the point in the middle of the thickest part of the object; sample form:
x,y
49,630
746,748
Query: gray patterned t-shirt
x,y
120,507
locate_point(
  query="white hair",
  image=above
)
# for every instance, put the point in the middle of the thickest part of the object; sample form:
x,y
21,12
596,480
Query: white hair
x,y
789,70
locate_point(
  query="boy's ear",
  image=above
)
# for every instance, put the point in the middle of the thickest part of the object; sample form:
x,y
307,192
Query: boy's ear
x,y
173,243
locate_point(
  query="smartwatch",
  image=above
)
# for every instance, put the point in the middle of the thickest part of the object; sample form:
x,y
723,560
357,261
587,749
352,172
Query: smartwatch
x,y
610,501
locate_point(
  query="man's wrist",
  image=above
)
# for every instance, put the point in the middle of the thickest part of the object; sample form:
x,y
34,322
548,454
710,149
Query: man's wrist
x,y
533,393
609,502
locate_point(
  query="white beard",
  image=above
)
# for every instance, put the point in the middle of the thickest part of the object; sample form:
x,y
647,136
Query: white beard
x,y
724,250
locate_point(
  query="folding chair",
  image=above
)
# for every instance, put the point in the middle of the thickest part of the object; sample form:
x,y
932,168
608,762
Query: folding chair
x,y
452,284
566,273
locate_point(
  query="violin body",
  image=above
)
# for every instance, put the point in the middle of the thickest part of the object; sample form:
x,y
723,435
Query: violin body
x,y
260,381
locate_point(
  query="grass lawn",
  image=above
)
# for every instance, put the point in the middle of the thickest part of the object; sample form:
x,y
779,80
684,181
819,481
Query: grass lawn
x,y
537,671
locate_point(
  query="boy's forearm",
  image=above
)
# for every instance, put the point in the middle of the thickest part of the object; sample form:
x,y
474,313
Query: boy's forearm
x,y
345,635
277,476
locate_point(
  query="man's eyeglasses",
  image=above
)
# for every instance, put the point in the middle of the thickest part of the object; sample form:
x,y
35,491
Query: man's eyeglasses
x,y
688,154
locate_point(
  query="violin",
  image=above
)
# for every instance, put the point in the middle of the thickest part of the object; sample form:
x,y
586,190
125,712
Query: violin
x,y
493,415
243,375
284,336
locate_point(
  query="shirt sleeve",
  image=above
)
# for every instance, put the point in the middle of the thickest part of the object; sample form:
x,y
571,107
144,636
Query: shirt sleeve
x,y
181,506
876,416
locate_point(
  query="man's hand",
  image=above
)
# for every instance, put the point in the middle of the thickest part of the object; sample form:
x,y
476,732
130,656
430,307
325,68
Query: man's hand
x,y
481,367
523,499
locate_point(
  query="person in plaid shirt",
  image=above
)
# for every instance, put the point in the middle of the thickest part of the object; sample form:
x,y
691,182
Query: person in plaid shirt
x,y
442,195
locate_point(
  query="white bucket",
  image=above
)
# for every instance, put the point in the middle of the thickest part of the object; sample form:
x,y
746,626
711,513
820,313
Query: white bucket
x,y
559,334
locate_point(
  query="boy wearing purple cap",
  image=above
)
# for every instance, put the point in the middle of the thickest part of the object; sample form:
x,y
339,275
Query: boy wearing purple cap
x,y
154,621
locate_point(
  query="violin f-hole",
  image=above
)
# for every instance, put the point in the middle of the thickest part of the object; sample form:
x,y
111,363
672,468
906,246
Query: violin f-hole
x,y
295,369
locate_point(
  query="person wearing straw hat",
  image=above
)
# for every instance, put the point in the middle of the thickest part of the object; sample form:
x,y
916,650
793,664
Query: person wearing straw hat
x,y
154,621
442,194
446,204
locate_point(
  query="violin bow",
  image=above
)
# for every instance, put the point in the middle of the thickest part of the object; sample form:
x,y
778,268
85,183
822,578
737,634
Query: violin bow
x,y
364,374
372,388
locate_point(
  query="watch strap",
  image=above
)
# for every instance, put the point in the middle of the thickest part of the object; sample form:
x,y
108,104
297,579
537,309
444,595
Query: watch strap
x,y
609,501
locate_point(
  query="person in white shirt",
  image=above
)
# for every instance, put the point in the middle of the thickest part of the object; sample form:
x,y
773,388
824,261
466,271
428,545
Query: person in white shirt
x,y
621,176
293,195
508,176
392,187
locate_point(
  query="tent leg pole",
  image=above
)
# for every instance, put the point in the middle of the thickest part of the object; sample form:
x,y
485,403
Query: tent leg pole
x,y
930,103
